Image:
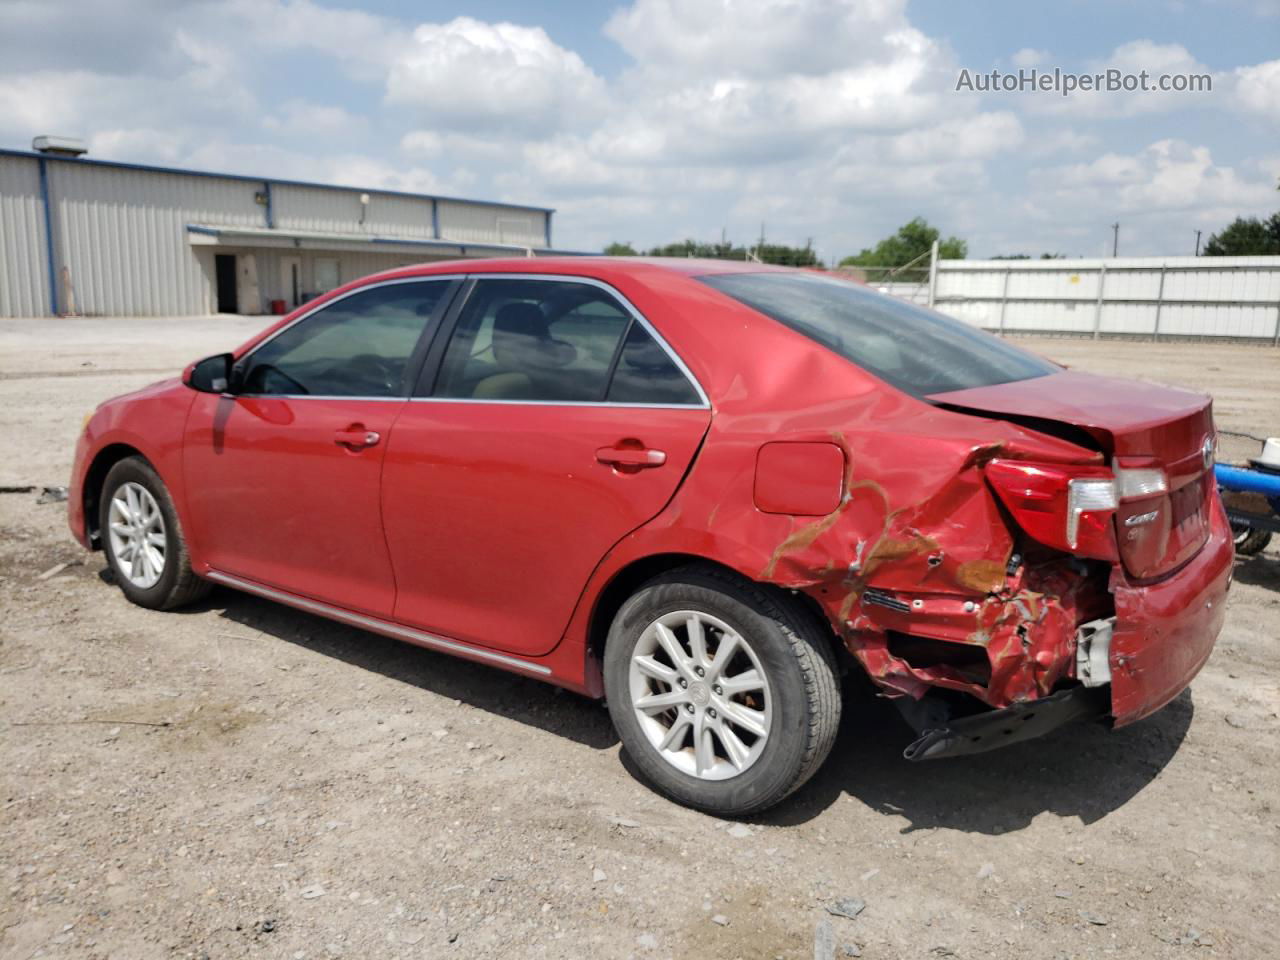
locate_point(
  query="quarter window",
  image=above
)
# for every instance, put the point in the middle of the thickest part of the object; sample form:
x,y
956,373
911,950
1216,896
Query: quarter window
x,y
647,374
358,346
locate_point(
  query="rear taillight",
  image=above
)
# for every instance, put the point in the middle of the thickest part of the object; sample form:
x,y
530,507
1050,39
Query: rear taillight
x,y
1135,483
1091,503
1067,507
1073,508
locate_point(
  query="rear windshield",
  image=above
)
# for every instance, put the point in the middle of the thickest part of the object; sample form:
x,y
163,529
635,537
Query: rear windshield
x,y
916,350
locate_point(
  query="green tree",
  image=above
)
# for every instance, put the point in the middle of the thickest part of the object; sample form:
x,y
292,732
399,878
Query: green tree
x,y
1249,237
913,240
769,253
620,249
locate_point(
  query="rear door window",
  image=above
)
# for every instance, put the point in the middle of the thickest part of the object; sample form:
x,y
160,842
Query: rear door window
x,y
555,341
919,351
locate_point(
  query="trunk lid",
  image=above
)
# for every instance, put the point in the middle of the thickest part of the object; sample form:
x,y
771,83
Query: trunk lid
x,y
1137,425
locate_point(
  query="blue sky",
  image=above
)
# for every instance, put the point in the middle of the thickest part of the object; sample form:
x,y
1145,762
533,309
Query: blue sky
x,y
655,120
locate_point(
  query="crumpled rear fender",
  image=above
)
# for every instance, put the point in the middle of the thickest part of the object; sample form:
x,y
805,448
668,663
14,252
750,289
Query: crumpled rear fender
x,y
918,546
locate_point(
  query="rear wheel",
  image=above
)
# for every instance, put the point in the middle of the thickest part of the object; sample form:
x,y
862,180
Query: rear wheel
x,y
723,692
143,540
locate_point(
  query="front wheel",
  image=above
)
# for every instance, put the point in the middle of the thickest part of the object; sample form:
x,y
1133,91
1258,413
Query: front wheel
x,y
142,539
723,692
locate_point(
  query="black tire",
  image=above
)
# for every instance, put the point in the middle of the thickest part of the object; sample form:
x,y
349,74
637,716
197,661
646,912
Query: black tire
x,y
177,585
794,650
1249,541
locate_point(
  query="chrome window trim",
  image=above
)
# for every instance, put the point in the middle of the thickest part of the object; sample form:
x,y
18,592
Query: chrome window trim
x,y
703,404
598,404
377,625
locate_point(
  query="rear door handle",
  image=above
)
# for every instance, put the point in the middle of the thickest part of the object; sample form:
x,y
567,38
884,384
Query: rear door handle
x,y
638,457
356,437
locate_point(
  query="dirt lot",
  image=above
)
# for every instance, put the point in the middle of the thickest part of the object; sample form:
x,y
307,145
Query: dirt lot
x,y
241,780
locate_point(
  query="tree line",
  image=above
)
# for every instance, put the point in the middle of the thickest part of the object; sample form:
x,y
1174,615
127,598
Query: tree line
x,y
778,253
904,254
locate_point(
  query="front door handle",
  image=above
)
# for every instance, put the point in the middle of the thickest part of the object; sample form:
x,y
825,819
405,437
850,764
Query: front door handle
x,y
637,457
356,437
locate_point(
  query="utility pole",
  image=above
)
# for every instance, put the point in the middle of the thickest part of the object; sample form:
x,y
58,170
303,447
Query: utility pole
x,y
1115,238
1197,243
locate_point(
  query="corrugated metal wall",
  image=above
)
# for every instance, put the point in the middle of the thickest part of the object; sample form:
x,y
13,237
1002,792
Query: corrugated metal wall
x,y
351,266
122,234
1237,297
338,211
480,224
24,278
122,246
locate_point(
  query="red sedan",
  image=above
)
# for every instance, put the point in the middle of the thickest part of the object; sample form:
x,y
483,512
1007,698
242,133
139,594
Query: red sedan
x,y
704,490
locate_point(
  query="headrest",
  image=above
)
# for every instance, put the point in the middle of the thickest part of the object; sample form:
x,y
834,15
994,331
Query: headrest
x,y
521,318
522,338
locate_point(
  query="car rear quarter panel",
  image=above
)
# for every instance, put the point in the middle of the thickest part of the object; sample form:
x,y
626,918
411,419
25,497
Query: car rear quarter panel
x,y
915,515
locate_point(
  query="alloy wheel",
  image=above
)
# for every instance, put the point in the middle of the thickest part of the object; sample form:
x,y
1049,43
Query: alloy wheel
x,y
136,529
700,695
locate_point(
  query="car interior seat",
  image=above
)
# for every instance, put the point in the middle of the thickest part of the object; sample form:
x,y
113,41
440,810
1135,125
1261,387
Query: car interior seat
x,y
524,353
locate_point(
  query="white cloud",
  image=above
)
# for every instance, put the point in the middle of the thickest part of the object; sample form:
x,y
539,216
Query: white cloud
x,y
1027,57
1169,175
1258,88
1133,59
762,38
475,74
831,118
302,119
961,139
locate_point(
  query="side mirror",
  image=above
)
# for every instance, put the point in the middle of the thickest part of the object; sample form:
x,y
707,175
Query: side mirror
x,y
210,375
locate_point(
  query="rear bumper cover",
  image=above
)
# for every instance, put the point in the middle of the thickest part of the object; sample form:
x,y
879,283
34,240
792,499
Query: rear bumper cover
x,y
1161,636
1165,631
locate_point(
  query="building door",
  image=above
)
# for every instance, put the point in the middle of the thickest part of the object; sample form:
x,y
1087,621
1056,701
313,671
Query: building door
x,y
247,270
291,280
224,265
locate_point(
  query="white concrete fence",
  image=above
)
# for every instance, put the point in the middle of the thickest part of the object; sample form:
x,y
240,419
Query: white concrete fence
x,y
1235,298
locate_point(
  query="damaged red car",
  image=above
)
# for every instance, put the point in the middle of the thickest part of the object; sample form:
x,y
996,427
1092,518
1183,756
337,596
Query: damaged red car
x,y
709,492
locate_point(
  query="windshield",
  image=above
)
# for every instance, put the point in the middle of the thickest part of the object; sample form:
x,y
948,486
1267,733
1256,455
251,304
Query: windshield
x,y
919,351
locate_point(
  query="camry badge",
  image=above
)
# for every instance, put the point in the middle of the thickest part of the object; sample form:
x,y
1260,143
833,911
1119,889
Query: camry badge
x,y
1140,518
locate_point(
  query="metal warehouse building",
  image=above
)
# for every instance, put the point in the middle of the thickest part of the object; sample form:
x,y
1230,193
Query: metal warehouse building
x,y
102,238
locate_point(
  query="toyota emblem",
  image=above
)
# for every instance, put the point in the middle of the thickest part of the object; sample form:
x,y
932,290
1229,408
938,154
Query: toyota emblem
x,y
1206,452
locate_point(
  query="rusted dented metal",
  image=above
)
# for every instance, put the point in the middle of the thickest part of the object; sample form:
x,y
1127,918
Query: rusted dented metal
x,y
930,576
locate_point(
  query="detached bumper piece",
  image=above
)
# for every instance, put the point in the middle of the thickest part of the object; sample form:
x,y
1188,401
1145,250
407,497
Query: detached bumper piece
x,y
1012,724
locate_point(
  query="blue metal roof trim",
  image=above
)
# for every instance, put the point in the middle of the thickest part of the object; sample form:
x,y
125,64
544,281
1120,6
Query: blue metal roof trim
x,y
121,165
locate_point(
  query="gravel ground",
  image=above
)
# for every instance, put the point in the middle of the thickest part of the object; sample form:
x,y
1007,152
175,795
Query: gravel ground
x,y
242,780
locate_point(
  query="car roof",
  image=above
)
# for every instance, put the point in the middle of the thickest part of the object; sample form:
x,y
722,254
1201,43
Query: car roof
x,y
632,266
